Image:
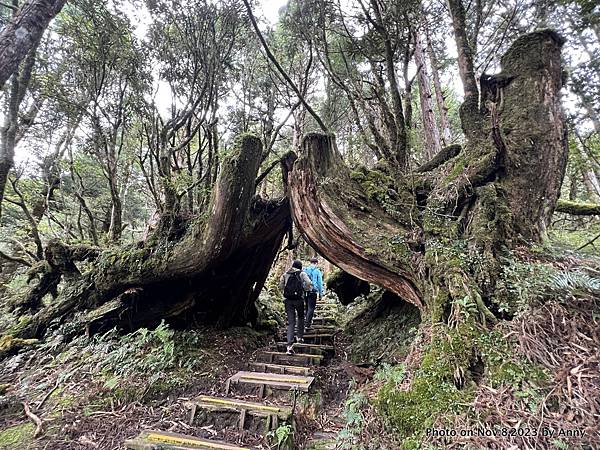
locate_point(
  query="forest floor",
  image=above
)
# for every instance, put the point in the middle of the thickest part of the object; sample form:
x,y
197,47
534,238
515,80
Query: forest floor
x,y
98,392
95,393
541,373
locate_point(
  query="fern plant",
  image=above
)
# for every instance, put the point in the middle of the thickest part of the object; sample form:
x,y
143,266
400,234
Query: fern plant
x,y
576,280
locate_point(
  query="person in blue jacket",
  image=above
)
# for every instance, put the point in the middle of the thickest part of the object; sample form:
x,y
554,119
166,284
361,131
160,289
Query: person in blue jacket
x,y
316,279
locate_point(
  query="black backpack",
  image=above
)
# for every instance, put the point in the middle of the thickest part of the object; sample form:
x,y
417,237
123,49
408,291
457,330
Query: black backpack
x,y
293,288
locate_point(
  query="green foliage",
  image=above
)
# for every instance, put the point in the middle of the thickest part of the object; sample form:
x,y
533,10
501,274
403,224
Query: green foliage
x,y
391,374
561,445
504,365
575,281
520,283
571,240
144,351
281,434
355,420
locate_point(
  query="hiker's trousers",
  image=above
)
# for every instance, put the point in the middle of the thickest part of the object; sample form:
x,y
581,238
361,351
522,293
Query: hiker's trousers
x,y
294,307
311,304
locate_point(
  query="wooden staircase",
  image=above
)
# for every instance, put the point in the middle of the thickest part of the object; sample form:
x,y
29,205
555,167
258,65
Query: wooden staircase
x,y
267,381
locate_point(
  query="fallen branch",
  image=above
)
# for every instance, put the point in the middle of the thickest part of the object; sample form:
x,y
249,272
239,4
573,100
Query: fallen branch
x,y
35,419
15,259
591,241
445,154
41,403
577,208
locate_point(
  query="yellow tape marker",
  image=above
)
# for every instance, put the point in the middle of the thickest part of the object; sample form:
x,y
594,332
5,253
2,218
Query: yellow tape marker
x,y
155,437
227,402
285,380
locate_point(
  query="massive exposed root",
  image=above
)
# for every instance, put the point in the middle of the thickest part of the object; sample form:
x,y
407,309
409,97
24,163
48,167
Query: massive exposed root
x,y
339,220
213,273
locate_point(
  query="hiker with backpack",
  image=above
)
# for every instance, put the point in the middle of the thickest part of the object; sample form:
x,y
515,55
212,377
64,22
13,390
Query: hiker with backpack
x,y
294,284
316,280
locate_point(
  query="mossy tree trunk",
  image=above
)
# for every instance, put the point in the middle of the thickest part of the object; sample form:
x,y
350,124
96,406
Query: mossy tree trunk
x,y
213,272
437,237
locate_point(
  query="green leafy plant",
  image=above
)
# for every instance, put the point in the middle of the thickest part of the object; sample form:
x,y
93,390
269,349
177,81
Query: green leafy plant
x,y
355,421
389,373
281,434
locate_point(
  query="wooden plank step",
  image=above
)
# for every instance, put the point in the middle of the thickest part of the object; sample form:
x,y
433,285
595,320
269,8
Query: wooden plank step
x,y
324,320
327,306
164,440
233,404
280,368
227,413
313,349
318,334
319,338
326,315
296,359
272,380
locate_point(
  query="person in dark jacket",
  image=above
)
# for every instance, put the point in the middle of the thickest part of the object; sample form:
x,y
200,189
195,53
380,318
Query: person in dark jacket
x,y
316,279
294,284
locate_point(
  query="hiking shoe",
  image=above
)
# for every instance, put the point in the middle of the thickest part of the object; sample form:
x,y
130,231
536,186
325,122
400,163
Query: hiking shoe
x,y
290,350
300,340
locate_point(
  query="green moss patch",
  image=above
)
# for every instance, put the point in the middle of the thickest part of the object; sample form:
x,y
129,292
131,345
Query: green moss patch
x,y
18,437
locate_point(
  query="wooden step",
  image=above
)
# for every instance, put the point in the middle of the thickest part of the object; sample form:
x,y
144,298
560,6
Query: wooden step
x,y
322,329
318,333
258,409
313,349
272,380
223,412
164,440
326,306
315,330
323,321
319,338
280,368
296,359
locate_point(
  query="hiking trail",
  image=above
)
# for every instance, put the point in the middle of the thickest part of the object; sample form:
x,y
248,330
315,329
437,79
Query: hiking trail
x,y
270,398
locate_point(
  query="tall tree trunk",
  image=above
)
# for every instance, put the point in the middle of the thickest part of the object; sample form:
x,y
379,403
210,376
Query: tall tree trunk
x,y
439,96
430,128
23,32
116,214
469,111
592,185
8,131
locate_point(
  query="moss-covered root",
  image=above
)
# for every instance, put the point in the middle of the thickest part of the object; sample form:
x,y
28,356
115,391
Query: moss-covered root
x,y
10,344
578,208
443,385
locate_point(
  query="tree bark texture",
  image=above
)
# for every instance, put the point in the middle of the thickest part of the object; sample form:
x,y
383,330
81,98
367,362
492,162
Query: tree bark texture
x,y
339,220
430,128
446,134
23,32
